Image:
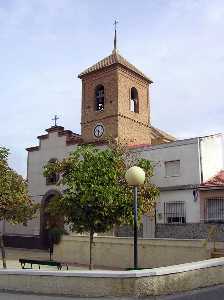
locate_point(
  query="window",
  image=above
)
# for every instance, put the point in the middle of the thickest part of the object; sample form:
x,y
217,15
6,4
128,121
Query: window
x,y
53,178
172,168
215,209
174,212
134,100
99,98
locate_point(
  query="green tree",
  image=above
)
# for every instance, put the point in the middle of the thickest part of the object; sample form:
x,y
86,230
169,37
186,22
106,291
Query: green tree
x,y
97,196
15,205
55,224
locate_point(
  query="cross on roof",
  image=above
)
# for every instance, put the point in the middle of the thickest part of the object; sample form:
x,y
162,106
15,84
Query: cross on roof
x,y
115,24
55,120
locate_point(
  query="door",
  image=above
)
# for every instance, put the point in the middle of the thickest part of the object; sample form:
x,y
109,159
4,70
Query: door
x,y
148,227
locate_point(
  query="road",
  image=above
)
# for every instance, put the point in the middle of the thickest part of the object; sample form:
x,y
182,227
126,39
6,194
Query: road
x,y
213,293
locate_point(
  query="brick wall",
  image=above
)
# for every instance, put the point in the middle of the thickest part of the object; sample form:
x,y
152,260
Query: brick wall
x,y
118,120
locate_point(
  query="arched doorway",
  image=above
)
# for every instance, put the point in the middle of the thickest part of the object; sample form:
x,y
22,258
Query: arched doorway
x,y
46,220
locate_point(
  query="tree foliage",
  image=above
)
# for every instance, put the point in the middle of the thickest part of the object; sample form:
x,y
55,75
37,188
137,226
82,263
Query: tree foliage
x,y
15,205
96,195
55,224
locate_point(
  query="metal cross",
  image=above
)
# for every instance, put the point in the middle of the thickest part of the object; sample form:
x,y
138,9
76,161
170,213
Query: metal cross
x,y
115,34
55,120
115,24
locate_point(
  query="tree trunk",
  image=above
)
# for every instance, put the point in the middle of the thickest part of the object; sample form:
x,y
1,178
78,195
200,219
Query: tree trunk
x,y
115,230
91,249
3,251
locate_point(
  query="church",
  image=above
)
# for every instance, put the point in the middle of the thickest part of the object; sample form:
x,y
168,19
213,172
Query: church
x,y
116,104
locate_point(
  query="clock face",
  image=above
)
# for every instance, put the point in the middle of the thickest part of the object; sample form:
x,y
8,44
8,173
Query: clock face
x,y
98,130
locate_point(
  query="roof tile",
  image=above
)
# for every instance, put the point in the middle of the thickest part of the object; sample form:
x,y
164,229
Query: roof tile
x,y
217,180
114,58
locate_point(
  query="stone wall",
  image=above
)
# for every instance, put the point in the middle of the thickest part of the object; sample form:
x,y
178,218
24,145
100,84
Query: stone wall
x,y
119,121
189,231
133,126
182,231
159,281
127,231
114,252
109,116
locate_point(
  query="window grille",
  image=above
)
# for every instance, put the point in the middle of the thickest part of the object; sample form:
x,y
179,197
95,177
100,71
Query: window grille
x,y
174,212
215,209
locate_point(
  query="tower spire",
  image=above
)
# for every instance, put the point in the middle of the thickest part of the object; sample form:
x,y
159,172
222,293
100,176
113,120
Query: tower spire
x,y
115,35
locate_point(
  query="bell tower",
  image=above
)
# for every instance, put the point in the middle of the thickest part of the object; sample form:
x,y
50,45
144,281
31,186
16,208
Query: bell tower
x,y
115,101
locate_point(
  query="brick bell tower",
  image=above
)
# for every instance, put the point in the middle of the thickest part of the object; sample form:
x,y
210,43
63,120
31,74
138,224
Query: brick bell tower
x,y
115,101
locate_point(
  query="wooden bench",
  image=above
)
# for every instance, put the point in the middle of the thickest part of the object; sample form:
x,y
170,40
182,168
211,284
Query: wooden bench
x,y
24,261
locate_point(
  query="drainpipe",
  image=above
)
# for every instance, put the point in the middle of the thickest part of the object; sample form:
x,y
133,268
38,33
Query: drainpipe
x,y
202,214
200,160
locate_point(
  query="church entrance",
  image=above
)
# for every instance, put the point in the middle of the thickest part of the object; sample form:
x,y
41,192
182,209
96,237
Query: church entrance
x,y
49,222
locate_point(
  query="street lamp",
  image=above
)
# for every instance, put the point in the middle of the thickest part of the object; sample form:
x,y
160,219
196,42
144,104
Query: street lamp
x,y
135,176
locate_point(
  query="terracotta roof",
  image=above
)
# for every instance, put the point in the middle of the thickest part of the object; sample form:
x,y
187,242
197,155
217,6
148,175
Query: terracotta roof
x,y
114,58
157,131
73,140
71,137
136,146
215,181
55,128
31,149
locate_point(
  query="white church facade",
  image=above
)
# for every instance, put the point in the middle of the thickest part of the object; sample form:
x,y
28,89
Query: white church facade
x,y
116,103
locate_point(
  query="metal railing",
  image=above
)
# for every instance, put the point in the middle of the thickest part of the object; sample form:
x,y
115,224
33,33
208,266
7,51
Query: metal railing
x,y
214,209
174,212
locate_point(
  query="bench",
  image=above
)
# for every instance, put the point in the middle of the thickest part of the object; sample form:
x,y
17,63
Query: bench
x,y
24,261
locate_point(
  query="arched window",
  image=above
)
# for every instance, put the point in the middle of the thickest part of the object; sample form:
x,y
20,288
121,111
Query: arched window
x,y
53,178
134,100
99,97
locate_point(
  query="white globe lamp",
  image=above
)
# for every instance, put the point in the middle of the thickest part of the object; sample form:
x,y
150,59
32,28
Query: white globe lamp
x,y
135,177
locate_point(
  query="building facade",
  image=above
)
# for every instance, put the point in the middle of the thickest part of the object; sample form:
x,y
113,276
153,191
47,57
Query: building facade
x,y
182,172
116,104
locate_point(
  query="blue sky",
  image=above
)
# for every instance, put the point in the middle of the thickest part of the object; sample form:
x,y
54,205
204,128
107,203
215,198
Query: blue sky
x,y
44,44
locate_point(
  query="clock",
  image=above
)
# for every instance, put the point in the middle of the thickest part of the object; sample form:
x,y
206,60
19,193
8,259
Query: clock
x,y
98,130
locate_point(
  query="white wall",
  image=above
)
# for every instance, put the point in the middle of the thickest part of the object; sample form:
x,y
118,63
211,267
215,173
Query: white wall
x,y
212,155
52,147
186,151
192,206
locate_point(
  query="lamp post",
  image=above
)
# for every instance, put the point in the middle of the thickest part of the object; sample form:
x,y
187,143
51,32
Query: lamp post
x,y
135,176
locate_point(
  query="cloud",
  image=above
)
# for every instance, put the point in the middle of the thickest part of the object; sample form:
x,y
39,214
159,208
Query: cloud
x,y
45,43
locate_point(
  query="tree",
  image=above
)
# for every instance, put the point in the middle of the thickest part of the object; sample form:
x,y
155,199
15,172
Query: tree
x,y
15,205
55,224
97,196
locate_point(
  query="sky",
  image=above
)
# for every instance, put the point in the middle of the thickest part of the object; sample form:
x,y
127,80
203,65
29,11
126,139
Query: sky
x,y
45,44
